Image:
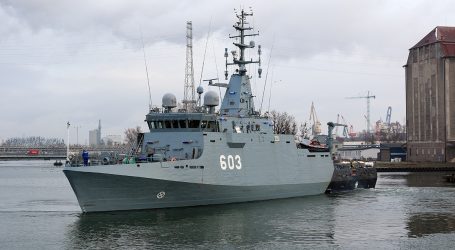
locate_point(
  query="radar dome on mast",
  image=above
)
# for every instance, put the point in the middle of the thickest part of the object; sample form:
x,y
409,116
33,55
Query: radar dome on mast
x,y
169,101
200,90
211,100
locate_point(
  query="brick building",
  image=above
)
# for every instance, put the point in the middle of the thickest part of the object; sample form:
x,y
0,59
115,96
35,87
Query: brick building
x,y
430,97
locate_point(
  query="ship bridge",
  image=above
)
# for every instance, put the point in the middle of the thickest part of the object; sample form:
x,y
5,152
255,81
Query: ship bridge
x,y
182,122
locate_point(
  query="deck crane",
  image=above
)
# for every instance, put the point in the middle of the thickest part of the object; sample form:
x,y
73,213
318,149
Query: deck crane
x,y
332,125
368,97
316,127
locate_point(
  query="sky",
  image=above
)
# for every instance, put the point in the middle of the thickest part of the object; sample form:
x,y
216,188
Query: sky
x,y
83,61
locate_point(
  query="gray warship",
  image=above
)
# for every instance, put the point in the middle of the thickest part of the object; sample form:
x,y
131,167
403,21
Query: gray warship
x,y
203,156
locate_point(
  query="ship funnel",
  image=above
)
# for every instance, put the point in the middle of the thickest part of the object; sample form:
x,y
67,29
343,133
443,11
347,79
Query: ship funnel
x,y
211,100
169,102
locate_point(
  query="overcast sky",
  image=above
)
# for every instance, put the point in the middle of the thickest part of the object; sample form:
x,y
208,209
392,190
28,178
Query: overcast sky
x,y
81,61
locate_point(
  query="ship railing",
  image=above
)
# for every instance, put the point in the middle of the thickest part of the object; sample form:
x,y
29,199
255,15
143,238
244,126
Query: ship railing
x,y
127,160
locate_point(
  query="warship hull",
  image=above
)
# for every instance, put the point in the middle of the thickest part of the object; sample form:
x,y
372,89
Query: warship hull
x,y
259,171
105,192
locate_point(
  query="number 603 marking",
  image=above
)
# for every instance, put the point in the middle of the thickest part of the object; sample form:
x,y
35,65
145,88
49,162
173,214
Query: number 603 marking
x,y
231,162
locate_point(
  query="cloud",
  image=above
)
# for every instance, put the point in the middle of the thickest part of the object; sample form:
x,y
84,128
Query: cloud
x,y
83,61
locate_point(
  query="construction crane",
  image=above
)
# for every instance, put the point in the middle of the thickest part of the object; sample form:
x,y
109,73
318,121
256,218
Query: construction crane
x,y
368,97
316,127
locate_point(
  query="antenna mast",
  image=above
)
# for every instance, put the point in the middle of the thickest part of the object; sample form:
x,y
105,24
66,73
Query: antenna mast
x,y
189,100
241,27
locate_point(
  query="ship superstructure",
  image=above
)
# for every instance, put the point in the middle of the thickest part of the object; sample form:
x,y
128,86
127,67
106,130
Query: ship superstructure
x,y
206,156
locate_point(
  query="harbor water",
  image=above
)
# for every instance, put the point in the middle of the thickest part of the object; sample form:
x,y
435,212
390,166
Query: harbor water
x,y
38,210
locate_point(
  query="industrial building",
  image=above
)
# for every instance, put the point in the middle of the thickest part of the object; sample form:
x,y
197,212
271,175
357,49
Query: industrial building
x,y
392,152
361,152
430,97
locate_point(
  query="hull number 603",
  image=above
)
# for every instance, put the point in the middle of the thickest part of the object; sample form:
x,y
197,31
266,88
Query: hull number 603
x,y
230,162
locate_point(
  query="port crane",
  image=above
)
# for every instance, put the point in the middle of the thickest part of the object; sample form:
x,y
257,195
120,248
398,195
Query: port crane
x,y
346,132
389,116
316,127
368,97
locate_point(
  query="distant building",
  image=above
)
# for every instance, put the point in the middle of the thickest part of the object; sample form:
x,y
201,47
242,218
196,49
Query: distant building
x,y
112,140
430,97
364,152
94,136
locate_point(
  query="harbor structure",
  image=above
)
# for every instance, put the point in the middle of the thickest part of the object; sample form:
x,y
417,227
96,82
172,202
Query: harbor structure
x,y
430,97
360,152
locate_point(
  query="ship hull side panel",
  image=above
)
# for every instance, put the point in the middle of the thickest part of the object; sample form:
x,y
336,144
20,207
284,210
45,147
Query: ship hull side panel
x,y
106,192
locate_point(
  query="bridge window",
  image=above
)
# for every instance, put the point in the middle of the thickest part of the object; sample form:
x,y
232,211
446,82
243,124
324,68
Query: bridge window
x,y
175,124
167,124
158,124
194,123
182,123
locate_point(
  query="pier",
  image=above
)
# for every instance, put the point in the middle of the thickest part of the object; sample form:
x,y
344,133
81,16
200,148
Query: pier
x,y
414,167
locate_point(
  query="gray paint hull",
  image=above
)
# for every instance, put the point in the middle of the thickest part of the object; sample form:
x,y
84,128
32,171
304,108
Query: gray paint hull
x,y
264,168
107,192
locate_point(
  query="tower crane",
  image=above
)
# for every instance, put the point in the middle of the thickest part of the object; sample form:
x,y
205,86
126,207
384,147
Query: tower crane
x,y
368,97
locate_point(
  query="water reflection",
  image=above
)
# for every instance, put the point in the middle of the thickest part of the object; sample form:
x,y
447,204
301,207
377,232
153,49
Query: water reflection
x,y
268,224
420,225
415,179
404,211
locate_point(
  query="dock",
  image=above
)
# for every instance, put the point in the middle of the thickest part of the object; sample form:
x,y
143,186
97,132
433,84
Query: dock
x,y
414,167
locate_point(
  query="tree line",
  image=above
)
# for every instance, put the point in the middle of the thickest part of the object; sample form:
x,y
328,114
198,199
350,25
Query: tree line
x,y
33,141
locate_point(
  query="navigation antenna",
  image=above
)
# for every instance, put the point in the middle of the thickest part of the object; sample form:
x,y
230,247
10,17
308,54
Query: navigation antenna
x,y
241,62
147,73
189,100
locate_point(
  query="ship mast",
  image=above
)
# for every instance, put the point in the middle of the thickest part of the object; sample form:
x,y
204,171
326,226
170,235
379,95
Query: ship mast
x,y
238,99
241,27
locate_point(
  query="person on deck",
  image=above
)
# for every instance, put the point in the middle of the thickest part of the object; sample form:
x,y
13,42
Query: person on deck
x,y
85,157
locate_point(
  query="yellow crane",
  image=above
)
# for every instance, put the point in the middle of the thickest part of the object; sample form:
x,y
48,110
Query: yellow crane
x,y
316,125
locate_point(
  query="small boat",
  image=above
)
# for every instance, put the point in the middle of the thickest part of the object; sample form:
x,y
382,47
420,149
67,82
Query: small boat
x,y
313,146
